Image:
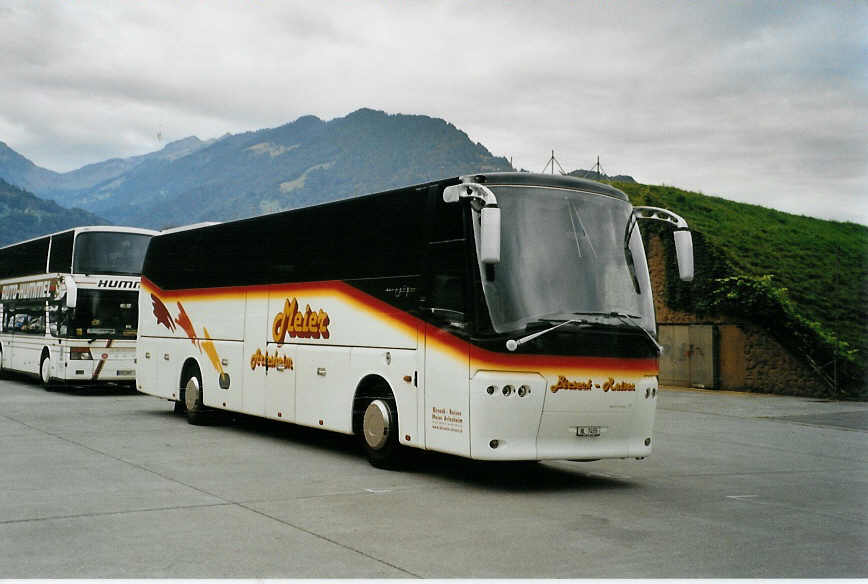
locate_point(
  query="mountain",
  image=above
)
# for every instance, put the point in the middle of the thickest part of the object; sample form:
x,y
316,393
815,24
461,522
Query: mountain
x,y
23,215
75,188
594,175
18,170
300,163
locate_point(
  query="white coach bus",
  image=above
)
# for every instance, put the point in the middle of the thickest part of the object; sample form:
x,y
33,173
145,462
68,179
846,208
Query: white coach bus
x,y
502,316
69,304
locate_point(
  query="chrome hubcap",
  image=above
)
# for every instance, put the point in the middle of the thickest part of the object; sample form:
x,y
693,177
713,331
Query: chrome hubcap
x,y
191,393
377,424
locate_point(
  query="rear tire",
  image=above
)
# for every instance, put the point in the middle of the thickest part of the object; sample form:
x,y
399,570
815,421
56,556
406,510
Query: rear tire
x,y
379,434
197,413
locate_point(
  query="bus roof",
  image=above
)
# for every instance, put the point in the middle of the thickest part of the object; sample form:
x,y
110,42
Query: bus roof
x,y
491,178
115,228
545,180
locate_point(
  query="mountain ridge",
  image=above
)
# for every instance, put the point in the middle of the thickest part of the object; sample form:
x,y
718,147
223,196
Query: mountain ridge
x,y
302,162
23,215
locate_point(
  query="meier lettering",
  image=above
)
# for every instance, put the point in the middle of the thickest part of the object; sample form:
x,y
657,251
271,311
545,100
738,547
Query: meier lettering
x,y
304,325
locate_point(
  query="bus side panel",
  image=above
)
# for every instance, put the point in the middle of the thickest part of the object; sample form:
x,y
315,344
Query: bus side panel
x,y
255,348
26,353
324,391
399,367
146,366
218,315
222,370
334,313
279,381
447,401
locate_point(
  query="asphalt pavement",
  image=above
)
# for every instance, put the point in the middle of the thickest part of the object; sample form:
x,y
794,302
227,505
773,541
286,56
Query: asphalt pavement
x,y
104,482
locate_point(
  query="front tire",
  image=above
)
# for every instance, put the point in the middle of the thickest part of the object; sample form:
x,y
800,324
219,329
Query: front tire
x,y
45,371
379,434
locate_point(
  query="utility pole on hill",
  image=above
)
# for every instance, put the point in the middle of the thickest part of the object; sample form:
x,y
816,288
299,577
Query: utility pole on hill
x,y
552,161
598,169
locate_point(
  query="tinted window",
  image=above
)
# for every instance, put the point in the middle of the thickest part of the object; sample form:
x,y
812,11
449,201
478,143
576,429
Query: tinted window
x,y
448,263
366,237
108,252
24,259
61,252
447,219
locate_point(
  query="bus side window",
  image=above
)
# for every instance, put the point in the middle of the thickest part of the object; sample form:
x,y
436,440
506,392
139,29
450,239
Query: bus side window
x,y
447,265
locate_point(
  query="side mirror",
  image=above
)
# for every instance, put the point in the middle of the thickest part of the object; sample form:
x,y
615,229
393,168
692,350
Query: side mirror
x,y
684,254
71,292
489,227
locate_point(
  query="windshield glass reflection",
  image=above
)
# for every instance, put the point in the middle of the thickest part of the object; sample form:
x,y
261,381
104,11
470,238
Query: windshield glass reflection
x,y
109,252
562,254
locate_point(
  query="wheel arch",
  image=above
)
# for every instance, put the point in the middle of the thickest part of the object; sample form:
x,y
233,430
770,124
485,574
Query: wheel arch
x,y
191,365
370,387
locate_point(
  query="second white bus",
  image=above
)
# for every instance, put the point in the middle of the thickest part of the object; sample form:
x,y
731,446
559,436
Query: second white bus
x,y
69,304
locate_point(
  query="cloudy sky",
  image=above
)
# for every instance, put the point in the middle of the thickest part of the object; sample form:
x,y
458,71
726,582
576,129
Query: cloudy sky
x,y
753,101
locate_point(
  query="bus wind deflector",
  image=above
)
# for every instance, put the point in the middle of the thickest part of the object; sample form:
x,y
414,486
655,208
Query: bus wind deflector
x,y
71,291
683,238
484,203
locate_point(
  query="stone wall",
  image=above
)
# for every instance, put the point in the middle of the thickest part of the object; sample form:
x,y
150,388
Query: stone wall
x,y
750,358
770,368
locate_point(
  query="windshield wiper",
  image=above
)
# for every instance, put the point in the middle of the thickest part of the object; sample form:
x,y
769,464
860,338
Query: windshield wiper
x,y
513,344
633,324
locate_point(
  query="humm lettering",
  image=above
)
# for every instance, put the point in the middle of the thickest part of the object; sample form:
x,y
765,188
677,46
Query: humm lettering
x,y
128,284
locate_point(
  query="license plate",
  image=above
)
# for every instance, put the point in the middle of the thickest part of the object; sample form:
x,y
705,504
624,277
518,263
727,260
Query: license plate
x,y
587,431
125,372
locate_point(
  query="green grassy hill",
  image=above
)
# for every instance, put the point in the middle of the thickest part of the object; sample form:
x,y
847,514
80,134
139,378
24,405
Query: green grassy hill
x,y
806,279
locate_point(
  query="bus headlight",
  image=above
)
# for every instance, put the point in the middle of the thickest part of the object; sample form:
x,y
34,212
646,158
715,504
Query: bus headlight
x,y
79,354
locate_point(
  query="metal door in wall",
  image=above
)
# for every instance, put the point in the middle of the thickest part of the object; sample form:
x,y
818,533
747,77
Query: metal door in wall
x,y
689,355
675,360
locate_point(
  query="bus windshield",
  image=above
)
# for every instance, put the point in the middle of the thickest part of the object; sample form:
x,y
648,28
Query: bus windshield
x,y
109,252
104,314
563,257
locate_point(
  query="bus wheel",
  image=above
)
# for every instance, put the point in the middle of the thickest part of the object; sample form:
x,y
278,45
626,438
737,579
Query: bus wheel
x,y
45,370
380,434
197,413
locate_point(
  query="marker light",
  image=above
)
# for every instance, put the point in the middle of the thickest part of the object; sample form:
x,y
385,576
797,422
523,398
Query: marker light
x,y
491,389
523,390
508,389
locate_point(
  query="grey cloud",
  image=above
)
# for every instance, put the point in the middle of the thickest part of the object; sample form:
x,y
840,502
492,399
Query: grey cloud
x,y
734,98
